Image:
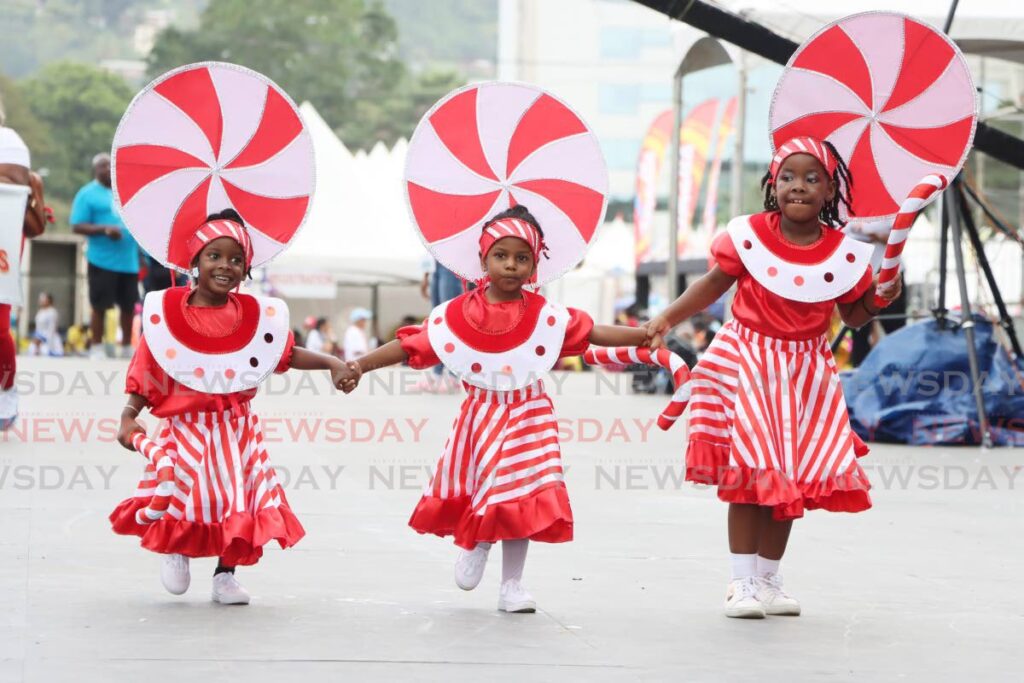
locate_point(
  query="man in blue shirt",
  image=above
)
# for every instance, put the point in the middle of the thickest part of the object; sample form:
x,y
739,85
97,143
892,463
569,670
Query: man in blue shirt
x,y
112,253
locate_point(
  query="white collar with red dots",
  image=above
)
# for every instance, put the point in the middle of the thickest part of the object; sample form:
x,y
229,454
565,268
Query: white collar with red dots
x,y
215,365
499,362
832,268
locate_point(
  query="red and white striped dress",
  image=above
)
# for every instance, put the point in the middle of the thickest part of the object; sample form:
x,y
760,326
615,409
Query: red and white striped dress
x,y
500,476
768,421
228,501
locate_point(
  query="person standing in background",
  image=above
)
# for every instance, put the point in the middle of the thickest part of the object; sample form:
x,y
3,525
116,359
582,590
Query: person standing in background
x,y
112,253
15,169
47,323
357,341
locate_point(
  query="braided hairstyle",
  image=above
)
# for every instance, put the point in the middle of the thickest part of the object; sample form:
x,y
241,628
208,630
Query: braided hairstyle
x,y
830,212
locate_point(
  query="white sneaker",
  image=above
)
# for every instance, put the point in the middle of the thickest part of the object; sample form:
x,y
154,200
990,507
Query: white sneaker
x,y
469,567
174,574
741,599
515,598
227,590
775,599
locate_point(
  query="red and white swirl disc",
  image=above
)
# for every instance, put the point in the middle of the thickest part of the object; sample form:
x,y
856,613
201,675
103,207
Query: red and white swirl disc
x,y
893,94
489,146
203,138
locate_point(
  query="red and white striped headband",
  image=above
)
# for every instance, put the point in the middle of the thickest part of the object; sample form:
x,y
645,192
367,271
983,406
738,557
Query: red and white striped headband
x,y
803,145
512,227
212,230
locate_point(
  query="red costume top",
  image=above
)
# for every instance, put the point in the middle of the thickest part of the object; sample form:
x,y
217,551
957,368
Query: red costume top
x,y
167,397
762,310
498,320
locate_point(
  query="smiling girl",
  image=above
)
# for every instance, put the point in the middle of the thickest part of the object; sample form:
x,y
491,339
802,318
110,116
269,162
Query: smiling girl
x,y
500,477
768,422
204,351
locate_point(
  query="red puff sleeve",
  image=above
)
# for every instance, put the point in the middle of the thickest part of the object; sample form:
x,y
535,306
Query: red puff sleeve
x,y
723,253
145,377
577,333
414,341
286,357
858,289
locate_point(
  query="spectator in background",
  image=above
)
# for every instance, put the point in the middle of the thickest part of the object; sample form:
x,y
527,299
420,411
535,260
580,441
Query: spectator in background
x,y
357,341
47,333
112,253
158,276
439,285
15,169
320,338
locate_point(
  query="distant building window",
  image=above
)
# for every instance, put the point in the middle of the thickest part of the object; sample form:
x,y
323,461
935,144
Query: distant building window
x,y
624,43
625,99
621,154
617,98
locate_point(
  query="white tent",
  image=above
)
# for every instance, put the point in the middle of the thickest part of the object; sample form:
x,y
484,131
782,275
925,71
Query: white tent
x,y
358,229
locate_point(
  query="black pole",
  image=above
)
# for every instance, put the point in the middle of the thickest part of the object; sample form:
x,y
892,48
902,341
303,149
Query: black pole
x,y
972,234
967,317
949,17
940,309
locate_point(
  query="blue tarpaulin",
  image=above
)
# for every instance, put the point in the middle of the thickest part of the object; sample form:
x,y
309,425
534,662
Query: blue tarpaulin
x,y
915,388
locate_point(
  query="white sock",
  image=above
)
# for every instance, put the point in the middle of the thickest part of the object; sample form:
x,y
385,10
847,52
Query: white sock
x,y
743,565
513,559
482,546
766,566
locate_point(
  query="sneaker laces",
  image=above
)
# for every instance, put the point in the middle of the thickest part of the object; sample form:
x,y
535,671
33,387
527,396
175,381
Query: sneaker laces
x,y
772,584
513,589
744,588
471,560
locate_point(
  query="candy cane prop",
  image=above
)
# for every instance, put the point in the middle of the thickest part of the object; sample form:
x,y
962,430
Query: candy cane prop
x,y
663,358
164,477
921,196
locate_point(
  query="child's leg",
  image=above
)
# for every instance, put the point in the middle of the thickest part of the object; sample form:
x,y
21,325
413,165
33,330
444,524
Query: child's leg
x,y
223,567
772,543
770,549
513,597
744,537
513,559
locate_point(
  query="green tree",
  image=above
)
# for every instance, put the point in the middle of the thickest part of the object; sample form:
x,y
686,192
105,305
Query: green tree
x,y
19,116
341,55
80,106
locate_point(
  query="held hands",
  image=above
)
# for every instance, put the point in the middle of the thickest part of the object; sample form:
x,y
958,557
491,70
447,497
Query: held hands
x,y
129,425
655,330
345,376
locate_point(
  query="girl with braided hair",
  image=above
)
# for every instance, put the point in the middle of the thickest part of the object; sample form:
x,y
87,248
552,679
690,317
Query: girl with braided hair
x,y
768,422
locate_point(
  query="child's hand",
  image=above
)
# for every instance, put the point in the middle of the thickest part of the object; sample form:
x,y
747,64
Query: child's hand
x,y
890,290
129,425
654,331
345,376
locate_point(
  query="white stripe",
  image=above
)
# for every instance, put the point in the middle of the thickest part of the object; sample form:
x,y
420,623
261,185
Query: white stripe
x,y
522,490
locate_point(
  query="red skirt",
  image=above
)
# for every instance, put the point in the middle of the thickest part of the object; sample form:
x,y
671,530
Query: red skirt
x,y
769,426
500,477
227,501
